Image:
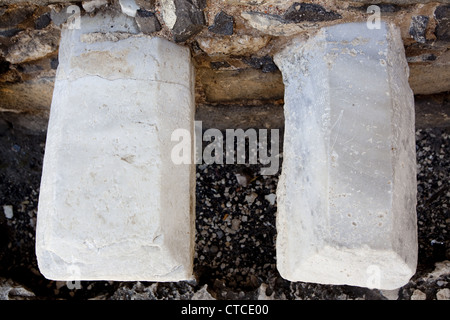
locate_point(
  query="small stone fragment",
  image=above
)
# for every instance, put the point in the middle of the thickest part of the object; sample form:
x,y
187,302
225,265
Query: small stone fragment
x,y
418,295
147,21
300,12
235,223
271,198
42,21
272,24
251,198
203,294
10,290
442,15
129,7
8,211
265,63
443,294
223,24
90,6
418,28
217,65
190,19
32,45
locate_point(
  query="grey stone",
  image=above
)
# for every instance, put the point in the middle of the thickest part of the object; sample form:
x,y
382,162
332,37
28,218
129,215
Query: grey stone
x,y
43,21
418,28
10,290
442,15
147,21
300,12
190,19
265,63
223,24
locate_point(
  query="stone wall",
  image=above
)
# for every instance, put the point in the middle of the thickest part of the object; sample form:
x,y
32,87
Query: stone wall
x,y
232,43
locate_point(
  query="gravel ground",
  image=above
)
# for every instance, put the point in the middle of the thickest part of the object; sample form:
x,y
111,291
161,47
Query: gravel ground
x,y
235,239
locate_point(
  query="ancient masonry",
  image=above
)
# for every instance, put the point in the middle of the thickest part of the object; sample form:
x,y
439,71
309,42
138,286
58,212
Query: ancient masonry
x,y
348,81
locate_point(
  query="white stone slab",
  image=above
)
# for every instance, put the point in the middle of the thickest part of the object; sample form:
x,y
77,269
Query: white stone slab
x,y
347,193
113,206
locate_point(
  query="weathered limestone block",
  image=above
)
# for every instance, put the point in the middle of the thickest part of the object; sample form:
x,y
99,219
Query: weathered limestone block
x,y
113,206
347,192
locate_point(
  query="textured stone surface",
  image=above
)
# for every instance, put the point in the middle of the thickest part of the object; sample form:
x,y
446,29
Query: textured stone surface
x,y
107,209
223,24
299,12
442,14
431,76
184,18
129,7
147,21
347,192
233,45
33,45
90,6
432,111
238,86
418,28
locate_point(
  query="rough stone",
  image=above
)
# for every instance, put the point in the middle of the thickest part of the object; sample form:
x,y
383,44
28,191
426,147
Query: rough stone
x,y
223,24
265,63
442,15
28,97
273,24
443,294
43,21
14,16
147,21
418,28
431,77
300,12
33,45
10,290
184,18
347,193
233,45
129,7
92,5
418,295
239,85
106,209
